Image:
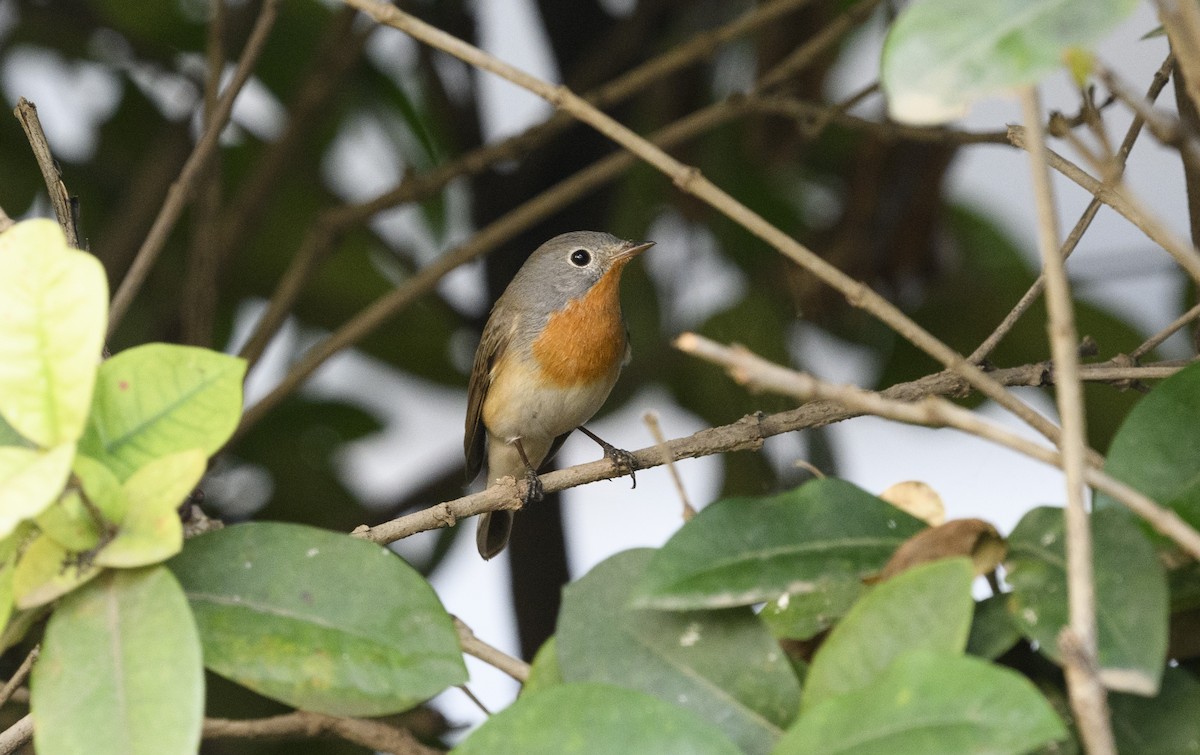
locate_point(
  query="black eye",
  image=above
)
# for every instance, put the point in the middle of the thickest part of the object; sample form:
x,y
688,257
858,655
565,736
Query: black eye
x,y
580,258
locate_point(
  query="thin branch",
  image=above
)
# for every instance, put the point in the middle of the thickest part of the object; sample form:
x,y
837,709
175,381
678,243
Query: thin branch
x,y
60,198
1154,341
660,440
489,654
914,408
1161,77
375,735
808,114
18,677
806,54
198,302
1165,126
1124,203
181,190
1088,698
748,434
332,223
689,180
17,736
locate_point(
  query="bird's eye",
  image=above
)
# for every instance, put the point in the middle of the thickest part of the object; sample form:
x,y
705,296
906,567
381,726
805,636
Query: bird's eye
x,y
580,258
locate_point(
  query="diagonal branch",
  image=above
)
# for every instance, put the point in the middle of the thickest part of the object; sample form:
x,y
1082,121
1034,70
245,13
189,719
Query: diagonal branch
x,y
181,190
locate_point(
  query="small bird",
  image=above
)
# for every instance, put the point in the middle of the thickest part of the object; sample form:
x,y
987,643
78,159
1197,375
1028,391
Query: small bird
x,y
548,358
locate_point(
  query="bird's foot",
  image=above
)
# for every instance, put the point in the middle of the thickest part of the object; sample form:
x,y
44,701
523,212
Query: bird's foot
x,y
533,488
624,461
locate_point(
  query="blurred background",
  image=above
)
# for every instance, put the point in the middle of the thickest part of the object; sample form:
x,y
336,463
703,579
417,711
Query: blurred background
x,y
339,113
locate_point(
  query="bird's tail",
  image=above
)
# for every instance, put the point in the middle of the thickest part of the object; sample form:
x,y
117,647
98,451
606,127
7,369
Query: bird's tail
x,y
491,535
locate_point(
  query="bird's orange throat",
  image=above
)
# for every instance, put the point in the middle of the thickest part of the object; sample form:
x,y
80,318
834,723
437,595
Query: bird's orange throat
x,y
585,340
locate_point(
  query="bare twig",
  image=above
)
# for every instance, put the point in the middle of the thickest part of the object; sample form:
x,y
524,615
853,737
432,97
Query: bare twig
x,y
689,180
181,190
473,646
198,303
18,677
375,735
804,55
651,420
60,198
1161,76
1124,203
1154,341
17,736
748,434
805,113
913,407
1165,126
1087,695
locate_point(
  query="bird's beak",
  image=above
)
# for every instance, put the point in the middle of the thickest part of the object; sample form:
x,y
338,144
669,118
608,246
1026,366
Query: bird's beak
x,y
632,250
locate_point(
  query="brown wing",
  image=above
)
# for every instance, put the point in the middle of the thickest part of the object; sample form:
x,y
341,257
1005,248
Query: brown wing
x,y
491,346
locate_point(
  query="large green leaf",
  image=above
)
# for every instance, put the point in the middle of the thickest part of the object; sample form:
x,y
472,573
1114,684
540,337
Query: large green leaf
x,y
160,399
318,620
741,551
722,665
928,702
1157,449
1131,594
595,719
993,632
46,571
120,670
30,480
925,608
942,55
54,307
1163,725
805,614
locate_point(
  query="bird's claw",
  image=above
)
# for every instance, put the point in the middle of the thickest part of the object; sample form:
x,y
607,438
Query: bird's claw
x,y
623,461
533,487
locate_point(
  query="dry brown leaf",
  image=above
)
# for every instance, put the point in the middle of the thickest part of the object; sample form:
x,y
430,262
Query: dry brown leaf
x,y
973,538
917,498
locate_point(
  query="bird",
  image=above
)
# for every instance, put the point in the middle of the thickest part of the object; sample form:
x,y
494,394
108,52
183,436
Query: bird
x,y
549,355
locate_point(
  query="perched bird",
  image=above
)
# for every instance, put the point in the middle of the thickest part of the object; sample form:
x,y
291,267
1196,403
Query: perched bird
x,y
548,358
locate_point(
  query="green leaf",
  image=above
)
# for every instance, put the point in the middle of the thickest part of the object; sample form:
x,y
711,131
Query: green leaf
x,y
120,670
741,551
54,306
1157,449
930,702
722,665
993,632
806,614
30,480
544,671
595,719
940,56
925,608
318,620
1131,594
46,571
151,530
1163,725
159,399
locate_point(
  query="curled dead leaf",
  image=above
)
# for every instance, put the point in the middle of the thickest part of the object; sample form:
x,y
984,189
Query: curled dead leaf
x,y
973,538
917,498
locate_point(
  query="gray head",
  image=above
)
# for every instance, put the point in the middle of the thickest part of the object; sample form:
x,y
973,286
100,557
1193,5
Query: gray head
x,y
567,266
